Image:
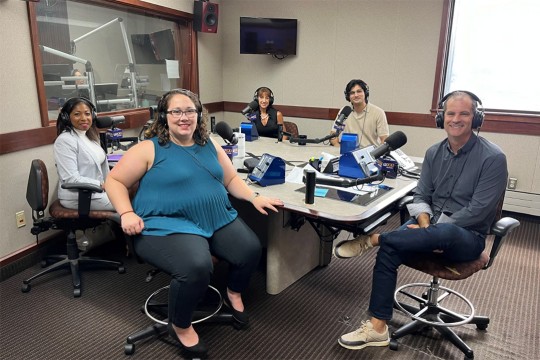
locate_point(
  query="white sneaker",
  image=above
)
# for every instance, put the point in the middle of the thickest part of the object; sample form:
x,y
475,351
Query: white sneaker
x,y
364,337
351,248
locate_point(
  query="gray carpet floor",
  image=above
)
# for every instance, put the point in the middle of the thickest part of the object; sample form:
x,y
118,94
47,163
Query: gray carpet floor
x,y
302,322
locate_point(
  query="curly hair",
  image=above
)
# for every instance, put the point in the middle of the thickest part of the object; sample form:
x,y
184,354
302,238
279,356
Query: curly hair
x,y
160,128
63,122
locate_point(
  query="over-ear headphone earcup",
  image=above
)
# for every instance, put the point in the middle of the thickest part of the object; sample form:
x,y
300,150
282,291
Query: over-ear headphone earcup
x,y
64,116
162,118
478,119
439,120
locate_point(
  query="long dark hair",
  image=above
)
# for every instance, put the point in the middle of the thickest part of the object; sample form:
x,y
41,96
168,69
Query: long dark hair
x,y
63,122
160,128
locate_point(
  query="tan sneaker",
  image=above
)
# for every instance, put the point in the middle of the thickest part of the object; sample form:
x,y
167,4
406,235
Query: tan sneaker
x,y
351,248
364,337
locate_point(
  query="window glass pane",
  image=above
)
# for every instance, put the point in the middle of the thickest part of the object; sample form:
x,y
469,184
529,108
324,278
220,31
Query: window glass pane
x,y
494,52
100,52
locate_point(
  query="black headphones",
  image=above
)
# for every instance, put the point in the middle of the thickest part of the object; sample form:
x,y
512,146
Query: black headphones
x,y
354,82
256,95
478,117
162,104
70,104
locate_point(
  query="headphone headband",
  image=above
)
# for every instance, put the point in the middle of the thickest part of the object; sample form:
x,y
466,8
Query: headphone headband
x,y
353,83
478,117
70,104
256,94
162,104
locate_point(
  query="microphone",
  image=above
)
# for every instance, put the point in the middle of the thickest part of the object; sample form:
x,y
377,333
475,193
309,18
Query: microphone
x,y
103,122
225,131
342,182
393,142
343,115
252,106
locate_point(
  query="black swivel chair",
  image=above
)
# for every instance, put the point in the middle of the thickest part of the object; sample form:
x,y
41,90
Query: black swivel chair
x,y
291,128
427,310
69,220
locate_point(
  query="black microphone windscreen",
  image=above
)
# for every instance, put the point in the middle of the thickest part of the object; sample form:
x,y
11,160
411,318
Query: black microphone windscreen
x,y
396,140
103,122
253,105
346,111
225,131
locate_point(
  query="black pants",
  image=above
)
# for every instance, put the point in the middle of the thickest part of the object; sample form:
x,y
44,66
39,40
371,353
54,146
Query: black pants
x,y
188,259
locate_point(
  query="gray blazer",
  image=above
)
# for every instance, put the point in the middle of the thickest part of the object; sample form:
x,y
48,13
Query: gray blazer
x,y
75,163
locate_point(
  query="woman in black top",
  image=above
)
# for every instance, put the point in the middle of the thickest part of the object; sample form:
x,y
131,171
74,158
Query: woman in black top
x,y
266,117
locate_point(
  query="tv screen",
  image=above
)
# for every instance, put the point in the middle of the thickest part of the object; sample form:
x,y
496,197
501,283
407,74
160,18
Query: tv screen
x,y
268,36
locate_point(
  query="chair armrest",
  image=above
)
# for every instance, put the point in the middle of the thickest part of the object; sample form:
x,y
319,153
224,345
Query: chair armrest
x,y
85,195
404,201
504,226
402,207
500,229
83,186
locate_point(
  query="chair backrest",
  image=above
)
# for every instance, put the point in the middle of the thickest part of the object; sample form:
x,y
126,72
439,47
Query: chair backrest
x,y
291,128
37,190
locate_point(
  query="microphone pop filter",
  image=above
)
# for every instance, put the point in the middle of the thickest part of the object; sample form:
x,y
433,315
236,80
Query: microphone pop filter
x,y
396,140
225,131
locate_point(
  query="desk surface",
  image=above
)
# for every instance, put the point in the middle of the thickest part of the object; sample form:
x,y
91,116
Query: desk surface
x,y
324,208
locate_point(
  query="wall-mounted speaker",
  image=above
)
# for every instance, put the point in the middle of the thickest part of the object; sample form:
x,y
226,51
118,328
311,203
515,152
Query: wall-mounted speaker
x,y
205,16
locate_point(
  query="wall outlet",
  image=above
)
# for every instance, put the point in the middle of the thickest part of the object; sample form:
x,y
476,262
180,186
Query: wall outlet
x,y
21,220
512,184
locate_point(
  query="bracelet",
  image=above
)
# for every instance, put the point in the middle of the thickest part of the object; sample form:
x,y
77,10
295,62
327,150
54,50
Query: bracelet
x,y
126,212
253,196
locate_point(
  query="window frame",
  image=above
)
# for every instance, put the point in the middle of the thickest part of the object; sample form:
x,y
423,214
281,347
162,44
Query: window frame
x,y
500,120
136,116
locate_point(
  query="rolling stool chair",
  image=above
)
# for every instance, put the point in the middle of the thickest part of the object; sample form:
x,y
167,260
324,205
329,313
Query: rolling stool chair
x,y
69,220
156,308
427,310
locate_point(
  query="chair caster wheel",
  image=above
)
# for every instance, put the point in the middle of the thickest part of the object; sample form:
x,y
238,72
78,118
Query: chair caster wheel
x,y
393,344
481,326
43,263
76,292
121,270
25,288
129,349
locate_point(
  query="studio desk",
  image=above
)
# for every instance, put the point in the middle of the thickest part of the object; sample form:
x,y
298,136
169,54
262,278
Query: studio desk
x,y
299,237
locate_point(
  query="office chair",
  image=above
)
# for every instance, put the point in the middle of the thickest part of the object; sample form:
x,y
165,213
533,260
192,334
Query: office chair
x,y
156,308
427,310
291,128
69,220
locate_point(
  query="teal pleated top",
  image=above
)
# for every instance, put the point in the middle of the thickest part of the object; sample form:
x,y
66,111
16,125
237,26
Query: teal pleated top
x,y
183,192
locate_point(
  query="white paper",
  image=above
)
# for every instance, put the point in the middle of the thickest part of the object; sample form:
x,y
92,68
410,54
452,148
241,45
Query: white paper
x,y
173,69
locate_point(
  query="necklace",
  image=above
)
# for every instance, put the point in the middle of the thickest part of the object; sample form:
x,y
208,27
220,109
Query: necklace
x,y
264,117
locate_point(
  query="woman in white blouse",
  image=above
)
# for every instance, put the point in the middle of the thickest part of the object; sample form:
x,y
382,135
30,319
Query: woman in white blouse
x,y
78,154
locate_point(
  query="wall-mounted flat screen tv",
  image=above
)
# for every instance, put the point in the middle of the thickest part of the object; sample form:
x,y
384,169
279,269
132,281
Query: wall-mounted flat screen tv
x,y
268,36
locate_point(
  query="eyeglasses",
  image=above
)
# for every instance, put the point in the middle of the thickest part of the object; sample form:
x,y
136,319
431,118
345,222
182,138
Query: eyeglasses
x,y
356,92
177,113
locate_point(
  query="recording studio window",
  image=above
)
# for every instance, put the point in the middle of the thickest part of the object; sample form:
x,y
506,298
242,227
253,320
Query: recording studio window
x,y
491,52
120,58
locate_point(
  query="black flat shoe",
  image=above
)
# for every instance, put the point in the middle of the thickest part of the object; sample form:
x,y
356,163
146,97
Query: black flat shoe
x,y
197,350
241,317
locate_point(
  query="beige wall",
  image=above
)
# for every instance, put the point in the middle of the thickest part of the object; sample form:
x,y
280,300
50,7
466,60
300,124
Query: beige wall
x,y
391,44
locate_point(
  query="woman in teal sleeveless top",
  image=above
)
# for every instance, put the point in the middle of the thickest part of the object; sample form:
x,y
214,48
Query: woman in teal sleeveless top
x,y
181,214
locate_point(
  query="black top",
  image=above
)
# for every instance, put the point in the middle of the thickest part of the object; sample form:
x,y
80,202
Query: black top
x,y
271,127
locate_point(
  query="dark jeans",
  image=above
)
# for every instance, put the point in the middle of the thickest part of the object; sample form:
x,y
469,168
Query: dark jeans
x,y
188,259
395,247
